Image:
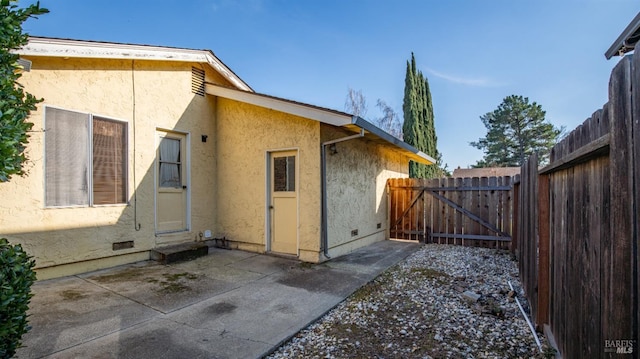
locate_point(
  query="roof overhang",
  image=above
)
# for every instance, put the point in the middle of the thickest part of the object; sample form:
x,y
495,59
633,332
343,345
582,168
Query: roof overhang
x,y
323,115
66,48
376,134
627,40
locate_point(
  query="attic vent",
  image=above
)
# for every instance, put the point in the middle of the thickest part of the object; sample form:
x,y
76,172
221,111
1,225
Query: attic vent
x,y
24,64
197,81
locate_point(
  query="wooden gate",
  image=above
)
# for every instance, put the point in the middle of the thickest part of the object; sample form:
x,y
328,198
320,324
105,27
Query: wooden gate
x,y
464,211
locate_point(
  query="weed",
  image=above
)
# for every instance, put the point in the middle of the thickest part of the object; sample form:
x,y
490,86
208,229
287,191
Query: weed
x,y
71,294
176,276
430,273
123,275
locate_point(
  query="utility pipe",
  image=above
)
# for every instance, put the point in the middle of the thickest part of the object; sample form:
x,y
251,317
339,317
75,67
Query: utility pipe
x,y
533,331
136,225
323,173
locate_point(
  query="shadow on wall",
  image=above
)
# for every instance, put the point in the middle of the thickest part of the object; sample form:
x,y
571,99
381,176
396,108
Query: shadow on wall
x,y
70,235
357,173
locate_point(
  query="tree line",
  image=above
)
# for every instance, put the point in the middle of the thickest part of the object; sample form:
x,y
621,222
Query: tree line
x,y
516,129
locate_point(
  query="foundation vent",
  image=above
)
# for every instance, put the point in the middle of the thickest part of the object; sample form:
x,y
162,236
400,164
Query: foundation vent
x,y
197,81
354,233
122,245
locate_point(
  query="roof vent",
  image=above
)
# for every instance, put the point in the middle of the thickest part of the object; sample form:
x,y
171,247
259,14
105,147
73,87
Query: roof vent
x,y
24,64
197,81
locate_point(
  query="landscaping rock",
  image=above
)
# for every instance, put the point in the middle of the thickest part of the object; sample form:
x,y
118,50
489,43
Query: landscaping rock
x,y
414,310
471,296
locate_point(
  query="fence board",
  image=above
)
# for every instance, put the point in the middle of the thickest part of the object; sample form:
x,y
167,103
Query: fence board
x,y
589,263
543,250
467,202
617,302
448,210
460,198
635,243
475,206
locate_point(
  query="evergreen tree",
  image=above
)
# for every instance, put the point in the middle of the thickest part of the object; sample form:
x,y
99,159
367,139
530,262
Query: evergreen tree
x,y
515,130
419,127
15,104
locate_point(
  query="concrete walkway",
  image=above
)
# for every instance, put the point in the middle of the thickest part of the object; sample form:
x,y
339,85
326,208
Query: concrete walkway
x,y
229,304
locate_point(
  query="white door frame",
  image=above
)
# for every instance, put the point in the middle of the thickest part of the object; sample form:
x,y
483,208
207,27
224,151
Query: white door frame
x,y
187,174
268,212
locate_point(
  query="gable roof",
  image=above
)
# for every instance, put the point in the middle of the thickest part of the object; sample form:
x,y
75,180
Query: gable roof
x,y
323,115
56,47
47,46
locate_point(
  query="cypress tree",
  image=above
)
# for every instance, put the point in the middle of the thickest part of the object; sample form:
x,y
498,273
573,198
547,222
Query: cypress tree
x,y
419,126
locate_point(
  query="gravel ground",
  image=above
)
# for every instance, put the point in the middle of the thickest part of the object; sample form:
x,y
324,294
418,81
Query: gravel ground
x,y
427,307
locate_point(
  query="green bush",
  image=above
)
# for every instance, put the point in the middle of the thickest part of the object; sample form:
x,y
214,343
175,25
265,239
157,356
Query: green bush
x,y
16,278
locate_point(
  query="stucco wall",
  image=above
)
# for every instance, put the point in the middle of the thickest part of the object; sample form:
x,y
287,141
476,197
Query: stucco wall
x,y
245,135
356,190
154,94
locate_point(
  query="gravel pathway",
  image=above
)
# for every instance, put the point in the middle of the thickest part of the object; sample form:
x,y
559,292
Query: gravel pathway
x,y
441,302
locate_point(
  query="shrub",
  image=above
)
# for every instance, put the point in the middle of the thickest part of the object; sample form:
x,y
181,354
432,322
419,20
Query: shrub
x,y
16,278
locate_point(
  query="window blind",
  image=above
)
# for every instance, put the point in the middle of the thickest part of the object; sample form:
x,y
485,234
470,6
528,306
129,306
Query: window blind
x,y
109,164
66,158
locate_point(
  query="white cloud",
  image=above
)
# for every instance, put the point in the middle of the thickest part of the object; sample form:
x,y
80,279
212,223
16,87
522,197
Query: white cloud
x,y
467,81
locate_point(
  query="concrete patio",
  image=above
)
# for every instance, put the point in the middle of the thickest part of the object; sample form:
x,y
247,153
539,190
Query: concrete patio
x,y
228,304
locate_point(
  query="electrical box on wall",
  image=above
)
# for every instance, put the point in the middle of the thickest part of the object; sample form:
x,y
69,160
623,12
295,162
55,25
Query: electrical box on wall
x,y
207,234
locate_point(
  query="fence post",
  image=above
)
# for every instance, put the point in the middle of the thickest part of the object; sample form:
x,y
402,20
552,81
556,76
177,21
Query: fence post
x,y
515,193
543,251
635,160
617,306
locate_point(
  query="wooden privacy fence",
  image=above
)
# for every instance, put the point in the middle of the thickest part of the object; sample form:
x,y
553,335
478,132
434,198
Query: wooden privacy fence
x,y
466,211
577,220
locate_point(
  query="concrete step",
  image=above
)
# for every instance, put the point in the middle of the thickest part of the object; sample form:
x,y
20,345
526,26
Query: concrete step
x,y
179,252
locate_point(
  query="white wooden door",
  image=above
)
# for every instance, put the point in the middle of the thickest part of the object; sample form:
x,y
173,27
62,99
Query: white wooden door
x,y
171,183
284,202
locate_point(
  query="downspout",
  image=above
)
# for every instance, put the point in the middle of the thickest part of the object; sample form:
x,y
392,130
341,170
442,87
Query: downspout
x,y
324,244
136,225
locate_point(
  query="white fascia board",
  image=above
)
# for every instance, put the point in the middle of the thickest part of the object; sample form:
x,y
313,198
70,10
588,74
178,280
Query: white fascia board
x,y
410,151
104,50
226,72
327,116
282,105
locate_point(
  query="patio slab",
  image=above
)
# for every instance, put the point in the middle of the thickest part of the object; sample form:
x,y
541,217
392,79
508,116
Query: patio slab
x,y
229,304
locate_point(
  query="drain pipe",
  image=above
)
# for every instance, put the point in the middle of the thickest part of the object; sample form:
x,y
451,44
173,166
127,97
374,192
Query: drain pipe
x,y
526,317
323,173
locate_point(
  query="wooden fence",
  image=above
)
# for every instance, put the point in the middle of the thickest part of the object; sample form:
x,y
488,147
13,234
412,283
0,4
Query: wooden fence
x,y
577,228
465,211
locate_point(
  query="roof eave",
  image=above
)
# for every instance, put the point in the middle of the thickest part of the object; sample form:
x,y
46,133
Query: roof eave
x,y
334,118
622,44
408,150
66,48
323,115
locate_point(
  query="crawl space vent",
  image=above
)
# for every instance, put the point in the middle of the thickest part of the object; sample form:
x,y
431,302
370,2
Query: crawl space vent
x,y
197,81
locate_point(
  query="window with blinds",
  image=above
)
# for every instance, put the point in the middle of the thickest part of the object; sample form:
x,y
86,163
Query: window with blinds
x,y
85,159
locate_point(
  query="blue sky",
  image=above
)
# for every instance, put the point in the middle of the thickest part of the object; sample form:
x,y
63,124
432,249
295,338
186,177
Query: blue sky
x,y
474,53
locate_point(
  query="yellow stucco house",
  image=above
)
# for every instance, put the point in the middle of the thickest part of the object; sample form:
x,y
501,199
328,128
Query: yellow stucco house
x,y
138,147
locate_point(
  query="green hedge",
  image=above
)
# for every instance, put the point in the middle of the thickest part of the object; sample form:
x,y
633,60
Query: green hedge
x,y
16,278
